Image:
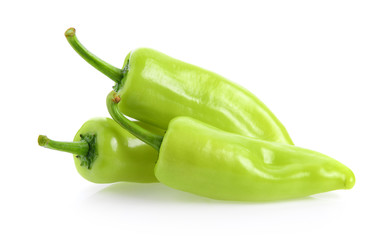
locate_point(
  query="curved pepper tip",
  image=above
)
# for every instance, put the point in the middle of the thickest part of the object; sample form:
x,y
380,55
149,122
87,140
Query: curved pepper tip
x,y
349,181
70,32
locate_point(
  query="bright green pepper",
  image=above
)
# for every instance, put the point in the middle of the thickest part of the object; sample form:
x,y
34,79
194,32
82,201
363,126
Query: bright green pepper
x,y
201,159
104,152
156,88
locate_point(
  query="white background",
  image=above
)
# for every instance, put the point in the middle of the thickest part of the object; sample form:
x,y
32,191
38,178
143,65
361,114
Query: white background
x,y
321,66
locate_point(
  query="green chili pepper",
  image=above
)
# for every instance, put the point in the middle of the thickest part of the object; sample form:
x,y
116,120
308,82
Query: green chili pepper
x,y
104,152
201,159
156,88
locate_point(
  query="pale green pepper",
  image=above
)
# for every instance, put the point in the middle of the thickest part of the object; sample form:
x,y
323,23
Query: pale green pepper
x,y
156,88
198,158
104,152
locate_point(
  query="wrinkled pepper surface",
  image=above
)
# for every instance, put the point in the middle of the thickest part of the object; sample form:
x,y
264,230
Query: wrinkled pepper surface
x,y
104,152
156,88
199,158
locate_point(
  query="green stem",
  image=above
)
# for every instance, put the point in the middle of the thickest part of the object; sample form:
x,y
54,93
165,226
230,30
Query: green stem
x,y
144,135
79,148
107,69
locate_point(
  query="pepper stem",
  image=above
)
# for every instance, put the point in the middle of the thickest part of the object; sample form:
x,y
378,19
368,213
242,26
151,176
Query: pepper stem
x,y
107,69
144,135
78,148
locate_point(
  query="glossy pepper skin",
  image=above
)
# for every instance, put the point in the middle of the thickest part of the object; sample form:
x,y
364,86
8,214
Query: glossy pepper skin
x,y
156,88
198,158
104,152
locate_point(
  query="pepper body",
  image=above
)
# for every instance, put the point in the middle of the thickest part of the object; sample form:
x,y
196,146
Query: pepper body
x,y
201,159
120,155
111,153
157,88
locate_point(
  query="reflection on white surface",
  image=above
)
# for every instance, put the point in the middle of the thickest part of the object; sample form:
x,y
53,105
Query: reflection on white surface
x,y
136,204
160,194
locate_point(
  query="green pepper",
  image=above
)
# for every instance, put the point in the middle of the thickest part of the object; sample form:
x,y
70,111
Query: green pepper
x,y
199,158
104,152
156,88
